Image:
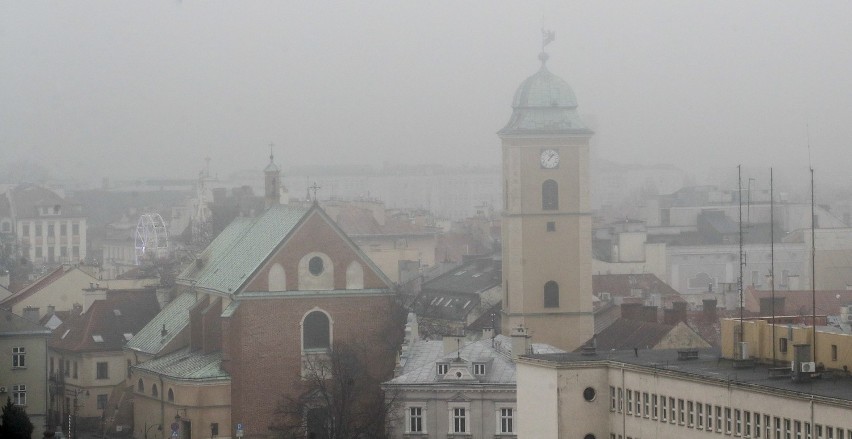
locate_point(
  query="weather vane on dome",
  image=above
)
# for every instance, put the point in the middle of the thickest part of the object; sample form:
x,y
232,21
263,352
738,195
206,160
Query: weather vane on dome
x,y
547,37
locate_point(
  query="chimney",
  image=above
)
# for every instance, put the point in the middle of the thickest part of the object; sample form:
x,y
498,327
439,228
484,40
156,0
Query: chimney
x,y
675,315
708,312
649,314
31,313
51,310
91,295
487,333
520,342
631,311
452,343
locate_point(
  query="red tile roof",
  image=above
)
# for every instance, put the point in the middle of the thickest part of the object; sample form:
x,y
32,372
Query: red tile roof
x,y
36,286
122,312
828,302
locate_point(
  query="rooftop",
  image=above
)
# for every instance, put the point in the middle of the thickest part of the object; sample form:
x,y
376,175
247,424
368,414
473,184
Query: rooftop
x,y
708,365
187,365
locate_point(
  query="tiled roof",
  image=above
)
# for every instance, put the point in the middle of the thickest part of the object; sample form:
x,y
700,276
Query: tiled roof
x,y
358,221
628,334
13,324
236,253
104,325
473,277
187,365
175,317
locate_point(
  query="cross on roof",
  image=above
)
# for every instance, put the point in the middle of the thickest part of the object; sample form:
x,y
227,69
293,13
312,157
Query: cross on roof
x,y
315,188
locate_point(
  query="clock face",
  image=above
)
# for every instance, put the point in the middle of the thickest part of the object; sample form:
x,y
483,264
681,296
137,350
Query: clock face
x,y
549,158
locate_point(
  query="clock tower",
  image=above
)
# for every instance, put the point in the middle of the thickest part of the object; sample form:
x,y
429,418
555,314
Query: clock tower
x,y
546,230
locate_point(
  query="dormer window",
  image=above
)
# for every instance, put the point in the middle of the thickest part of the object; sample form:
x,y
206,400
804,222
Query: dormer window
x,y
479,368
443,368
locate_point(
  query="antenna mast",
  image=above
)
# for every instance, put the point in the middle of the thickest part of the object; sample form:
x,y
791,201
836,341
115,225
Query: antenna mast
x,y
742,261
772,255
813,248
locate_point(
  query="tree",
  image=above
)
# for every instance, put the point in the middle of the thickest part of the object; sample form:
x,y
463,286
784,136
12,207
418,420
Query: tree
x,y
15,422
339,399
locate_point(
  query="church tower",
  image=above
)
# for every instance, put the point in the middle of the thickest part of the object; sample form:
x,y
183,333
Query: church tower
x,y
546,230
271,183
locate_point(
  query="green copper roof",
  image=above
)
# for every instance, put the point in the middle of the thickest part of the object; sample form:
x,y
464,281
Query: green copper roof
x,y
173,317
187,365
242,247
544,104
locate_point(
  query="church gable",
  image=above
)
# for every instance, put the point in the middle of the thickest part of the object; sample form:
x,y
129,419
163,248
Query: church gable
x,y
317,256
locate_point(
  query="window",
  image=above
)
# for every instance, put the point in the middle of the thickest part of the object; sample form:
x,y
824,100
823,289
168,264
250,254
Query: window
x,y
214,429
19,357
834,352
690,411
551,226
797,428
315,265
782,344
700,416
672,411
479,368
589,394
443,368
75,229
738,417
709,420
638,411
316,334
551,295
788,432
102,401
611,398
458,422
681,412
729,421
63,229
747,416
718,419
777,427
665,409
67,368
646,399
620,399
629,402
154,391
140,386
171,395
19,394
38,229
507,420
654,405
549,195
415,420
103,370
75,369
50,230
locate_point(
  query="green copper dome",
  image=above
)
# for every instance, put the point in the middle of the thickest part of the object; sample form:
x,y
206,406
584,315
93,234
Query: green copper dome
x,y
544,104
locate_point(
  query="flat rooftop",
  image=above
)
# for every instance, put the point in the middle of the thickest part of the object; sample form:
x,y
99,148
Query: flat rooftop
x,y
710,365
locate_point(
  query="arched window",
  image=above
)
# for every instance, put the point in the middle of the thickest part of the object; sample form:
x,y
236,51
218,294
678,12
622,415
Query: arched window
x,y
154,391
549,195
316,333
277,278
354,276
140,386
551,295
171,396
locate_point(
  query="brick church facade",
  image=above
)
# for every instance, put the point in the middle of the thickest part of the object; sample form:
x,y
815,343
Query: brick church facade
x,y
266,298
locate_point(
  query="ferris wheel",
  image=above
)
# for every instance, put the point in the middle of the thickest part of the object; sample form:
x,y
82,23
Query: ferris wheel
x,y
152,237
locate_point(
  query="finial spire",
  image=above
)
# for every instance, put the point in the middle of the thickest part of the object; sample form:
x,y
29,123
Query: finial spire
x,y
547,37
271,156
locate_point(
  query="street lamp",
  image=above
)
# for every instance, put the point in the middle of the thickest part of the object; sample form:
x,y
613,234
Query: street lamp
x,y
72,428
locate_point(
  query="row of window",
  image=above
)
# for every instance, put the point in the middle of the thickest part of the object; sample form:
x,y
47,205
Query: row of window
x,y
63,252
51,229
716,418
66,369
140,387
459,420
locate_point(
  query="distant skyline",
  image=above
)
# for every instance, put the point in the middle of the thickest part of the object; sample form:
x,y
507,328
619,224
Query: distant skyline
x,y
92,89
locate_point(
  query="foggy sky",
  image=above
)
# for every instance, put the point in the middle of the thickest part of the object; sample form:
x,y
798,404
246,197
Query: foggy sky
x,y
148,89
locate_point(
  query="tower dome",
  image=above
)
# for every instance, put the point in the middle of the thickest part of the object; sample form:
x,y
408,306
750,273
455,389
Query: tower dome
x,y
544,103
